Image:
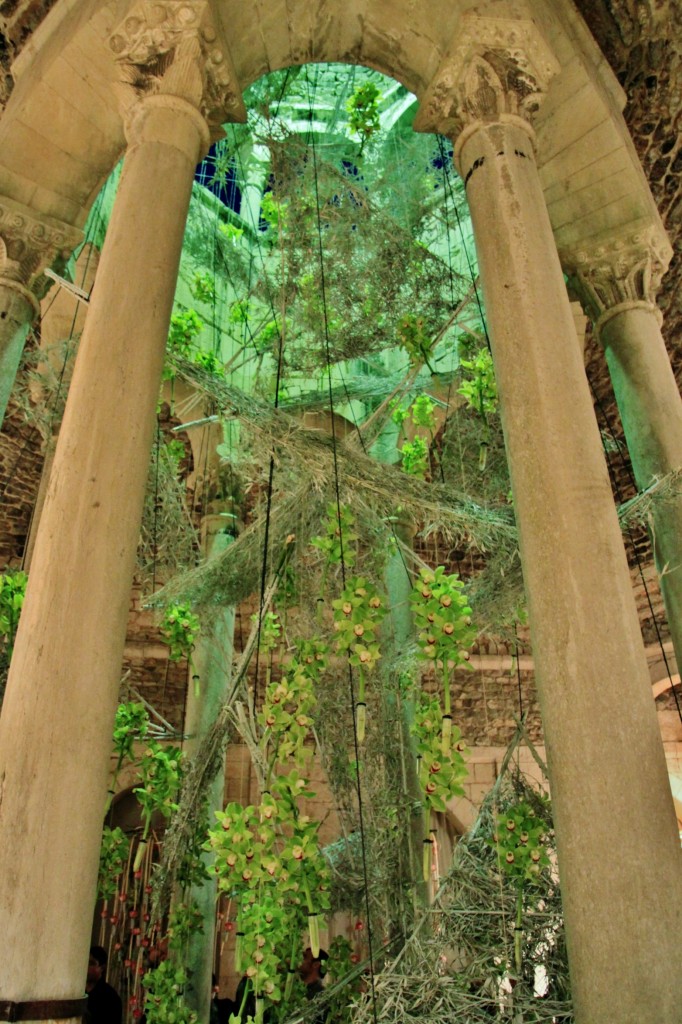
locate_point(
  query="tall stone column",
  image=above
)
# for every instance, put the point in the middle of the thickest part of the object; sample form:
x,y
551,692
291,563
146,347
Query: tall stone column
x,y
28,243
618,847
58,713
617,286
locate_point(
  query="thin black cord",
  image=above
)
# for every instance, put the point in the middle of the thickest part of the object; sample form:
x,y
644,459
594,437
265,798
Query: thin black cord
x,y
445,159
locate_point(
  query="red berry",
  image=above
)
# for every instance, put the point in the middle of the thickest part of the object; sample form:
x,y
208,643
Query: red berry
x,y
138,873
359,926
123,896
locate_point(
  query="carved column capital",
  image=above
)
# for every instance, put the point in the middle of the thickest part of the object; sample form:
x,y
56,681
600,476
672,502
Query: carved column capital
x,y
173,48
624,273
29,242
497,68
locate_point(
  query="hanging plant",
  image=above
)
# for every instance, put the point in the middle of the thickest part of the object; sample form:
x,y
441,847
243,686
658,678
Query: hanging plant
x,y
203,287
338,544
363,112
285,717
164,1001
130,725
422,413
479,388
185,326
442,617
442,764
414,337
160,778
415,457
519,841
113,858
358,613
268,860
180,628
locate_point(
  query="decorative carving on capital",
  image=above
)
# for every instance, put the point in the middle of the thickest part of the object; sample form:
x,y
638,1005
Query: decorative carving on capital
x,y
30,242
498,64
173,47
625,272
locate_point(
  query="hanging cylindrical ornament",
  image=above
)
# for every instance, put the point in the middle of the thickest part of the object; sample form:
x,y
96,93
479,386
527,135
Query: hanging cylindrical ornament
x,y
360,720
238,952
139,855
314,931
446,734
427,858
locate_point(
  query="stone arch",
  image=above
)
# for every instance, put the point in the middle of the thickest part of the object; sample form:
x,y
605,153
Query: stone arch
x,y
62,130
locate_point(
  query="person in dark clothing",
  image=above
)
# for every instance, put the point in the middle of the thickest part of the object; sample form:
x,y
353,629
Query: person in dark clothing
x,y
104,1002
312,970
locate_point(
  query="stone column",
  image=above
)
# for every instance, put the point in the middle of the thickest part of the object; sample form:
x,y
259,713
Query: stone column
x,y
213,662
28,243
55,728
617,286
618,847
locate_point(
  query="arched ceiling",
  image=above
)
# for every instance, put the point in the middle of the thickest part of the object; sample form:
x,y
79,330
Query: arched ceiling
x,y
61,132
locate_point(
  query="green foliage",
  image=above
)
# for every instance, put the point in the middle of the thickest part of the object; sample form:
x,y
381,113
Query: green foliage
x,y
363,111
399,412
231,232
185,920
339,540
413,336
422,412
184,328
442,616
274,212
180,628
479,387
113,858
268,338
519,841
203,287
358,613
160,778
164,1001
132,723
415,457
12,591
286,714
268,859
239,312
442,766
270,631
